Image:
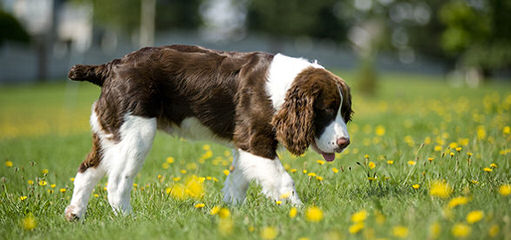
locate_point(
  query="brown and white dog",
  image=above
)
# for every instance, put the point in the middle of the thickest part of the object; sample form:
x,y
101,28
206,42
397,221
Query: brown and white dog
x,y
251,101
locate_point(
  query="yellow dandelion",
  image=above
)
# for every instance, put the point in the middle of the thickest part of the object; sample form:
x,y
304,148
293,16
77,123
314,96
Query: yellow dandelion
x,y
30,182
199,205
430,159
45,171
165,165
292,212
379,130
457,201
411,163
169,160
390,162
493,231
440,189
278,202
72,179
493,165
23,198
320,162
416,186
215,210
438,148
359,216
335,170
319,178
356,227
269,233
293,170
96,195
481,132
225,226
62,190
304,171
43,183
226,172
224,213
475,216
458,149
506,130
311,174
460,230
400,231
371,165
183,171
474,181
451,154
8,164
314,214
505,189
487,169
53,185
206,147
434,230
29,222
366,156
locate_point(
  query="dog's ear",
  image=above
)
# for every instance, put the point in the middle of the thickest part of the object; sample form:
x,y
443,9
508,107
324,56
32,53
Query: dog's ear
x,y
294,122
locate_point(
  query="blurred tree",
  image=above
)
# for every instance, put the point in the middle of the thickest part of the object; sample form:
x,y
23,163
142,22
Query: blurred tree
x,y
124,15
478,34
11,29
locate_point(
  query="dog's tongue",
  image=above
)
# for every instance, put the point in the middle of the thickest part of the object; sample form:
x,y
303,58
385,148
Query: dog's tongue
x,y
328,156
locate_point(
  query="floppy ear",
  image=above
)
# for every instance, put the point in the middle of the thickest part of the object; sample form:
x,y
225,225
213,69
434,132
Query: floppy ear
x,y
294,122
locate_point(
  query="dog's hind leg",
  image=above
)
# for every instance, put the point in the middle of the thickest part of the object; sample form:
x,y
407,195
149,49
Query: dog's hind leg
x,y
89,173
124,159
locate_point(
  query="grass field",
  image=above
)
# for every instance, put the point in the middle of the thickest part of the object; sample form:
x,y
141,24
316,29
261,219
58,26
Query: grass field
x,y
427,161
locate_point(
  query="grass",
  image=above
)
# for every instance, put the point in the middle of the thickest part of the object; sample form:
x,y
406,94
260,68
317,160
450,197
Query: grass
x,y
44,136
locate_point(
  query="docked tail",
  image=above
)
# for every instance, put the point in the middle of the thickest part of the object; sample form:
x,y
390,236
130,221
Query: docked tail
x,y
92,73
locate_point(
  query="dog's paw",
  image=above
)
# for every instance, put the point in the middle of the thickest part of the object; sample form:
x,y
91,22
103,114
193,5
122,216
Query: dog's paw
x,y
72,214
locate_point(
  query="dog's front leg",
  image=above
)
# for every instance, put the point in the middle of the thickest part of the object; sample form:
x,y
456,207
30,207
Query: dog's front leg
x,y
276,183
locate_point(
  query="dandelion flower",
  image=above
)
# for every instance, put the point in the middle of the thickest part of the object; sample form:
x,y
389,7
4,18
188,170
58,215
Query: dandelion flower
x,y
493,165
434,230
293,170
72,179
475,216
311,174
371,165
165,165
487,169
8,164
313,214
506,130
23,198
390,162
278,202
30,182
169,160
461,230
62,190
199,205
379,130
45,171
440,189
43,183
411,163
320,162
224,213
292,212
438,148
319,178
457,201
335,170
225,226
400,231
215,210
493,231
359,216
226,172
29,222
505,189
355,228
269,233
416,186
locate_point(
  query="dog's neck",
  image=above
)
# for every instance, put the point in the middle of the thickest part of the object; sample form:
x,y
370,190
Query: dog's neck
x,y
281,74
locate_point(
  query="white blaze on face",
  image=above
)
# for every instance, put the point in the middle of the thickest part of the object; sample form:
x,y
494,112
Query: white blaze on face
x,y
327,142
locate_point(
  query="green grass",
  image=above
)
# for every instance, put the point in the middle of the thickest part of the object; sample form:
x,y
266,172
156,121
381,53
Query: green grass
x,y
46,127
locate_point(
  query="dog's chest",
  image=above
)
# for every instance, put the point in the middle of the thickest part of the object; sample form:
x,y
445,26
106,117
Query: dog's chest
x,y
191,128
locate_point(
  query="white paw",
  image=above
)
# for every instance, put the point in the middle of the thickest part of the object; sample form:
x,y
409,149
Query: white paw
x,y
73,213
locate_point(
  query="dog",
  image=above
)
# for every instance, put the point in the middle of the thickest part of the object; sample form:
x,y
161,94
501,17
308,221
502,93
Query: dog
x,y
250,101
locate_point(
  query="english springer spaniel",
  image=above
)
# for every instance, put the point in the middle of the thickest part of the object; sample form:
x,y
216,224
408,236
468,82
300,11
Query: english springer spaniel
x,y
251,101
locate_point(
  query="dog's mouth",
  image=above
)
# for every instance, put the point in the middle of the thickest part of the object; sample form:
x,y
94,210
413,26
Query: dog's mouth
x,y
329,157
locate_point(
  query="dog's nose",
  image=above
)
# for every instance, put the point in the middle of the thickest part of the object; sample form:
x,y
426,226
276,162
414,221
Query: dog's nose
x,y
343,142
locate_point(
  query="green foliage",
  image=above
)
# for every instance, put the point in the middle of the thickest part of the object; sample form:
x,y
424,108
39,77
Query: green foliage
x,y
412,116
11,29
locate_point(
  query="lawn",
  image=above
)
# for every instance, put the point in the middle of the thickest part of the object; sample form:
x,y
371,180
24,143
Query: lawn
x,y
427,161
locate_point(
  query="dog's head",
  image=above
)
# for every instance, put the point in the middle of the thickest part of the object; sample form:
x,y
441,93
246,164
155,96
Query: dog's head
x,y
315,112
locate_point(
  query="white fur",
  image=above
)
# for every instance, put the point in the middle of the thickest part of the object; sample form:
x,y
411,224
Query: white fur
x,y
282,72
276,183
327,142
121,161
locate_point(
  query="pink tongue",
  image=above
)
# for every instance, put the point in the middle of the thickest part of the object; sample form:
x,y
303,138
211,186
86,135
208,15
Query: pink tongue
x,y
329,156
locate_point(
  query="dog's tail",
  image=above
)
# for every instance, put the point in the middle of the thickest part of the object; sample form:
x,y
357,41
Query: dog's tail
x,y
92,73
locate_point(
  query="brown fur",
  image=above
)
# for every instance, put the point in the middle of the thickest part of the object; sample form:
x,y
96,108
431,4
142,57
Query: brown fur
x,y
94,157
